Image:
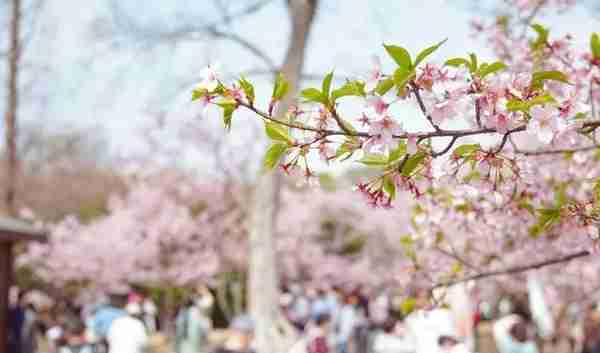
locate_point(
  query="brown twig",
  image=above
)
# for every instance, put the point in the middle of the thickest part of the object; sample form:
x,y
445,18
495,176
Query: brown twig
x,y
415,89
514,270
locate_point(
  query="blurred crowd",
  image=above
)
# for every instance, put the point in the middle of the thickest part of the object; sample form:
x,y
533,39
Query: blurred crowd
x,y
326,319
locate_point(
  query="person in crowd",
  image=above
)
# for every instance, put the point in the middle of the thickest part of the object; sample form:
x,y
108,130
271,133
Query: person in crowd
x,y
347,321
591,330
16,321
75,339
127,333
299,308
425,327
30,325
106,313
317,341
449,344
320,305
240,336
150,314
192,328
389,340
513,333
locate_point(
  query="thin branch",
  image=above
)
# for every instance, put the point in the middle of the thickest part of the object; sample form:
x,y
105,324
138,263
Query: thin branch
x,y
245,44
339,121
557,151
446,149
515,270
478,112
415,89
503,143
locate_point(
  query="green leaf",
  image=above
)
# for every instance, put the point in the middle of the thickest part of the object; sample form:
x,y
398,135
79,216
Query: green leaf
x,y
384,86
280,88
408,305
457,268
350,88
400,55
473,65
547,217
398,152
326,86
273,155
402,76
425,53
491,68
464,150
457,62
346,150
539,77
374,160
199,93
544,98
595,45
277,132
517,105
389,187
597,190
248,89
542,37
228,108
412,163
313,95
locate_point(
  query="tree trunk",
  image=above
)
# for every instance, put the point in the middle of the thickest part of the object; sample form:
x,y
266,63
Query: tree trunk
x,y
270,331
11,109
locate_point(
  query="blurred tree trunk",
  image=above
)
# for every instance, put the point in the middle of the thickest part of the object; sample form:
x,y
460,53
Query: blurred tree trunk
x,y
270,332
12,107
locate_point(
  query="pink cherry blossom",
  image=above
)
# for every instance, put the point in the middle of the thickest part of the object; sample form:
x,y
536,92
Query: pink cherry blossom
x,y
545,123
210,79
374,75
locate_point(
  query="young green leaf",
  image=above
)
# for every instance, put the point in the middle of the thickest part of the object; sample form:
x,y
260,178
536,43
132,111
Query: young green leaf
x,y
373,160
402,76
473,65
248,89
398,152
277,132
389,187
273,155
400,55
457,62
280,88
228,108
199,93
595,46
384,86
425,53
464,150
542,37
539,77
350,88
313,95
326,85
490,69
412,163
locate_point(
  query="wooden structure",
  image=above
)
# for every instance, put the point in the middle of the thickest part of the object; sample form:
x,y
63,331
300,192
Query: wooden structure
x,y
11,231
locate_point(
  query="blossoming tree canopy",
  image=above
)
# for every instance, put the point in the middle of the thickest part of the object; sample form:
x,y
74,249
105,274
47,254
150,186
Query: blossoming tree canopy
x,y
541,103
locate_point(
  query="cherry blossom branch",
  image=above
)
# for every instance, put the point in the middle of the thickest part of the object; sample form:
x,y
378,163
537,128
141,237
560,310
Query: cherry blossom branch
x,y
503,143
446,149
557,151
415,89
515,270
